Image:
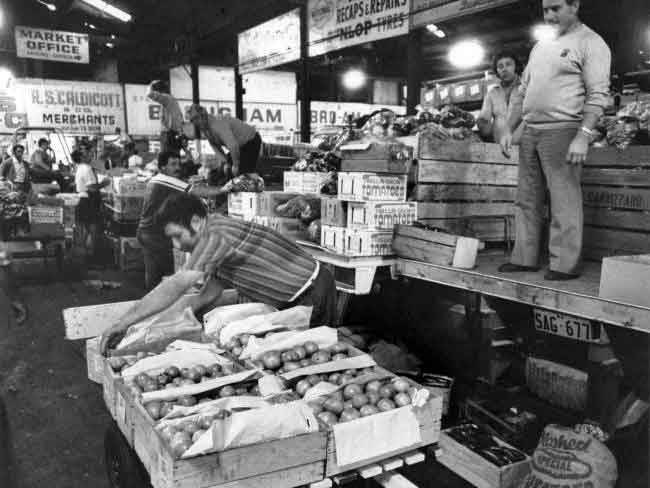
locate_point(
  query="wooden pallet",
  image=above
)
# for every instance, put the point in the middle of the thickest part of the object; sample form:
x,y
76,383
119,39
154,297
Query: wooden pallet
x,y
466,189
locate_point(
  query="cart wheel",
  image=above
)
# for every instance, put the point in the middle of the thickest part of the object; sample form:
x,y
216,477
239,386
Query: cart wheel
x,y
123,467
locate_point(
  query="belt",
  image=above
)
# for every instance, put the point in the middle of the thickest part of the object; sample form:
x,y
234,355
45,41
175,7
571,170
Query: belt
x,y
307,284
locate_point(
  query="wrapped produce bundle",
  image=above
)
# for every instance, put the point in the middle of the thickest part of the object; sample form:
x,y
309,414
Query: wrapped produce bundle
x,y
247,182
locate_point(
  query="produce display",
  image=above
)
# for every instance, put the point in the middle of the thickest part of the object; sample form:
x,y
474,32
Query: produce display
x,y
302,207
246,182
182,436
308,354
318,161
355,400
481,442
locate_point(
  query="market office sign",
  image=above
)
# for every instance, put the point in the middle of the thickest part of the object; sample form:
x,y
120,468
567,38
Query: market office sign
x,y
425,12
74,108
335,24
51,45
270,44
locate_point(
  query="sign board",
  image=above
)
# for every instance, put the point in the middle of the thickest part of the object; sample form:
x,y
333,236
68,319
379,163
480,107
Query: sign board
x,y
216,83
76,108
51,45
275,121
425,12
335,24
272,43
333,113
568,326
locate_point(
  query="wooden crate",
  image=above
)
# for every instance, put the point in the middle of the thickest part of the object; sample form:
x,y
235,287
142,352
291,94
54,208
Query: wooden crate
x,y
468,189
616,197
412,242
478,470
280,463
428,418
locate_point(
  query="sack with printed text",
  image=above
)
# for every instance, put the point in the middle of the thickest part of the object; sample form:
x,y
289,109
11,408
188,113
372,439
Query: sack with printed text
x,y
569,459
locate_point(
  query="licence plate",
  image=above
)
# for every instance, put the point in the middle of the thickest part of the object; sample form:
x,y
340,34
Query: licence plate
x,y
568,326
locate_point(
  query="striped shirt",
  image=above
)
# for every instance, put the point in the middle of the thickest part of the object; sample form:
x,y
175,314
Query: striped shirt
x,y
261,264
159,188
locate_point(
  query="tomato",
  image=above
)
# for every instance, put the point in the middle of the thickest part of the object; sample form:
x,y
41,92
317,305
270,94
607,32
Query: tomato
x,y
168,432
334,378
186,382
190,427
385,404
172,372
368,410
287,356
338,395
177,381
333,405
350,414
194,375
320,357
151,385
314,379
351,390
402,399
181,436
272,360
359,400
328,418
347,404
373,397
310,347
254,390
228,369
351,372
153,409
291,365
241,391
386,391
227,391
339,348
373,386
305,362
202,370
300,351
339,356
316,408
400,385
187,401
302,386
142,379
162,379
345,378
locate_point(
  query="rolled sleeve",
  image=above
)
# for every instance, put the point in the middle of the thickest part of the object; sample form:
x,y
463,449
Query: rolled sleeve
x,y
596,71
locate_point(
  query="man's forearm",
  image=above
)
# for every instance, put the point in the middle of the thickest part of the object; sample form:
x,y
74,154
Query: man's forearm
x,y
207,191
591,115
484,127
163,296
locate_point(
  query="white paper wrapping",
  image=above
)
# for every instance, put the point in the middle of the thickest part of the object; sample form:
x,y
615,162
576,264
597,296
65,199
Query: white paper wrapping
x,y
256,426
217,319
206,408
356,362
294,318
323,336
376,435
181,345
161,326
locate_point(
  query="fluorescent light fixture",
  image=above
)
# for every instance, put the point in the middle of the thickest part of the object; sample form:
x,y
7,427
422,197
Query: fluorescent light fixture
x,y
354,79
466,54
110,45
113,36
50,6
92,26
436,31
544,32
109,9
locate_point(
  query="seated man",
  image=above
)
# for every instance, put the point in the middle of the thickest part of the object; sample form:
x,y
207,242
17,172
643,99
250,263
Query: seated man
x,y
259,263
41,166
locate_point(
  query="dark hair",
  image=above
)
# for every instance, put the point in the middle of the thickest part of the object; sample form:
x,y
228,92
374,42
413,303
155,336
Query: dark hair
x,y
164,157
16,147
76,156
507,53
43,140
179,209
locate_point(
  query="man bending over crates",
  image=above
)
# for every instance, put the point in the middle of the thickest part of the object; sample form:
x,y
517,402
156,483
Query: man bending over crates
x,y
259,263
563,92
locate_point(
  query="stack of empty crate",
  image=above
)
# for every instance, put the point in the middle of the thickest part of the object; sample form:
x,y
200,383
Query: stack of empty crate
x,y
371,199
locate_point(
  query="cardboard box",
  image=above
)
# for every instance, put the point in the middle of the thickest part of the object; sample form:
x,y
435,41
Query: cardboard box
x,y
333,212
369,243
246,205
371,187
333,238
304,181
291,228
626,279
381,215
129,207
129,185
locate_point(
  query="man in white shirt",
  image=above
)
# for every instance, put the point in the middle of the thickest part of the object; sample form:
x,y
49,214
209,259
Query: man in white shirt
x,y
88,186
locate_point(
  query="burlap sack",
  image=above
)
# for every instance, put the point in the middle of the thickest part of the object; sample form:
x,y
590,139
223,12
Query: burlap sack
x,y
566,459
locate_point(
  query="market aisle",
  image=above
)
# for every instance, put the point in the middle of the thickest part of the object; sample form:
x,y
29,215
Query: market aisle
x,y
56,416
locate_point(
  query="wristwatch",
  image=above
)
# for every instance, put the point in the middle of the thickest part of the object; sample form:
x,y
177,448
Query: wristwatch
x,y
588,131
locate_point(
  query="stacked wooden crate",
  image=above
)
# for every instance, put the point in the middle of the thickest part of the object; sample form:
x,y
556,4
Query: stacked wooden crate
x,y
124,201
371,200
466,189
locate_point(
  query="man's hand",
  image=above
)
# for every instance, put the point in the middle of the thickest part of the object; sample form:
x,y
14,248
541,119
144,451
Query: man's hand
x,y
235,169
577,153
111,338
506,143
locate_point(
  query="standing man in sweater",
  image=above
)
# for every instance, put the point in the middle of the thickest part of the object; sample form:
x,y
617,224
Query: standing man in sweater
x,y
563,92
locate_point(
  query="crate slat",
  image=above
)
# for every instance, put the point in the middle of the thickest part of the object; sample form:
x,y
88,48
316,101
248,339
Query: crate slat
x,y
612,197
621,177
436,191
479,152
428,210
469,172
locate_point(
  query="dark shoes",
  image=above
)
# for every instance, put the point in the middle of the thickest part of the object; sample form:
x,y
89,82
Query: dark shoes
x,y
559,276
513,268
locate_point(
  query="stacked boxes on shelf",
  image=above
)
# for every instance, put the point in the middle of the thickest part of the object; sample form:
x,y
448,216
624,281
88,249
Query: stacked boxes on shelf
x,y
371,200
124,204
